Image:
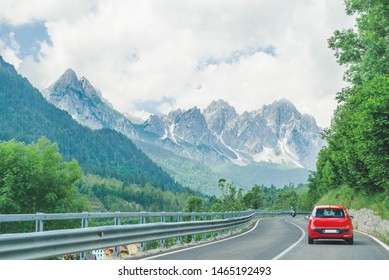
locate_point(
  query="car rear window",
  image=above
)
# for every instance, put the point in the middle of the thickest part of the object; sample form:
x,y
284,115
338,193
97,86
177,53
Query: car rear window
x,y
329,213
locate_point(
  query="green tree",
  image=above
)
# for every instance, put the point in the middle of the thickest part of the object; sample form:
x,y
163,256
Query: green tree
x,y
287,199
231,198
35,179
194,204
305,201
364,48
361,136
253,199
358,139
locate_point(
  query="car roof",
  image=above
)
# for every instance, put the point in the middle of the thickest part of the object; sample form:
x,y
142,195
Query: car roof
x,y
330,206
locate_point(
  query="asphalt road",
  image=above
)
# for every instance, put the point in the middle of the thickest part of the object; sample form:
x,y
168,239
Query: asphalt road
x,y
283,238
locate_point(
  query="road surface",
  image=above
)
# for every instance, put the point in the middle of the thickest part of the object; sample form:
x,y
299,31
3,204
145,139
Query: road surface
x,y
283,238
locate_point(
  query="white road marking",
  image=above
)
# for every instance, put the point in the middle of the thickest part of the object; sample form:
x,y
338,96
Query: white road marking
x,y
375,239
293,245
199,246
253,228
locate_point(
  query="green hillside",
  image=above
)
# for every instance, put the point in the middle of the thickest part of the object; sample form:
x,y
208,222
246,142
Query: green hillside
x,y
26,116
264,173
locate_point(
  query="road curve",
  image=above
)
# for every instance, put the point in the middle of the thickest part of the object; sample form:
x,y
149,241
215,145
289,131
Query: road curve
x,y
364,248
282,238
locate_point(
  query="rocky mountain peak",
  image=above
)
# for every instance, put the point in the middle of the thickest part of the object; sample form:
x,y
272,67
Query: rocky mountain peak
x,y
216,137
219,105
67,83
283,105
218,114
281,111
308,122
85,104
93,94
277,133
69,78
69,73
191,119
189,125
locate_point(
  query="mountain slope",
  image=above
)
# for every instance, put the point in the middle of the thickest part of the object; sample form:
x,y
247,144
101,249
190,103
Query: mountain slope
x,y
276,133
85,104
273,145
26,116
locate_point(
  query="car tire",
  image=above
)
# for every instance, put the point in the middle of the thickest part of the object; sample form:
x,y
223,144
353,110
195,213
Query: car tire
x,y
350,241
310,240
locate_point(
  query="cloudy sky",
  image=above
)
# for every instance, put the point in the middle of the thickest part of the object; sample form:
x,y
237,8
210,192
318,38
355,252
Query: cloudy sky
x,y
152,56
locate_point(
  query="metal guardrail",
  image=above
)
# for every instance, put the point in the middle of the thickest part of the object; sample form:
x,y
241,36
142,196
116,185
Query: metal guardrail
x,y
45,244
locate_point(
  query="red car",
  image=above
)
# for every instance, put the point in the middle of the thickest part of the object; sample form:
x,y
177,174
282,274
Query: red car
x,y
330,222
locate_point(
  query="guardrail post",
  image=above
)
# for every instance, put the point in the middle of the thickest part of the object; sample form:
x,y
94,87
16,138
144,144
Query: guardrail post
x,y
234,229
212,233
225,216
116,250
143,221
117,218
163,220
240,227
84,224
193,218
204,219
179,219
220,215
84,220
38,223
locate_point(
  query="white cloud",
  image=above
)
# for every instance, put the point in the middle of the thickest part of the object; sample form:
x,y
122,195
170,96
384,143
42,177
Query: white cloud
x,y
27,11
9,49
178,53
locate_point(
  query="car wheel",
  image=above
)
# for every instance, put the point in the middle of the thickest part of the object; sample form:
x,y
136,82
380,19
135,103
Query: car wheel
x,y
310,240
350,240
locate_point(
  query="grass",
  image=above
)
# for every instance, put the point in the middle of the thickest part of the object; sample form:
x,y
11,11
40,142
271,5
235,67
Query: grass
x,y
353,199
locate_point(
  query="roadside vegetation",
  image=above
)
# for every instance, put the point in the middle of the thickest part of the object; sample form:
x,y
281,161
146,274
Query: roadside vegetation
x,y
353,199
353,168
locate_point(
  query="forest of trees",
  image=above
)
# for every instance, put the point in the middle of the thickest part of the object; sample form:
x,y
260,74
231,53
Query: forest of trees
x,y
358,138
258,197
114,195
35,178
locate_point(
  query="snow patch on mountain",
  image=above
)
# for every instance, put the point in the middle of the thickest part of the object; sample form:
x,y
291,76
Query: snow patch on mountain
x,y
216,136
275,133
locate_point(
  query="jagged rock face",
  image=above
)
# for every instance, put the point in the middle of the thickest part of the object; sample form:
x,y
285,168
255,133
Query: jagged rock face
x,y
276,133
220,115
191,126
155,125
86,105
